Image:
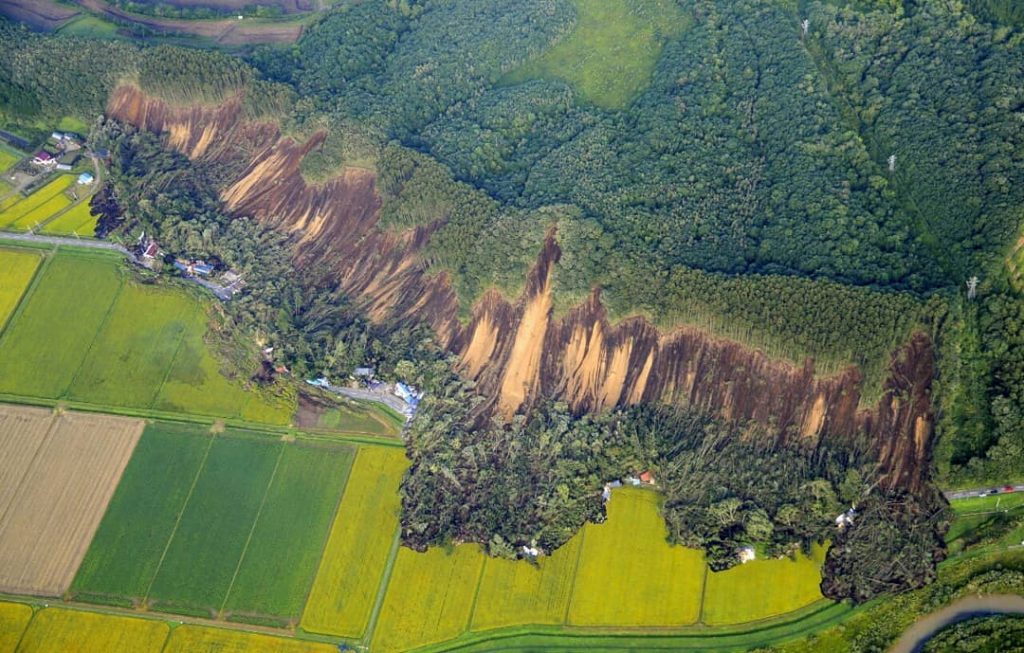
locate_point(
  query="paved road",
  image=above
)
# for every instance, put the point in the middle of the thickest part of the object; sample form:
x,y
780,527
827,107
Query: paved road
x,y
64,240
915,637
377,396
980,492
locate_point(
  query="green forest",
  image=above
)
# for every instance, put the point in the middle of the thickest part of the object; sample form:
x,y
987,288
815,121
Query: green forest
x,y
815,179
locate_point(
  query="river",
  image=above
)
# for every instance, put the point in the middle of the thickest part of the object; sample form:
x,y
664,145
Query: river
x,y
915,637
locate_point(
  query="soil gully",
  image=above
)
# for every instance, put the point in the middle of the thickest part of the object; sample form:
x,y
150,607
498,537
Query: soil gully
x,y
515,350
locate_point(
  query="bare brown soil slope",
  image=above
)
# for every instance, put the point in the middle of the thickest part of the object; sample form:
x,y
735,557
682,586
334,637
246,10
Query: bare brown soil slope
x,y
516,350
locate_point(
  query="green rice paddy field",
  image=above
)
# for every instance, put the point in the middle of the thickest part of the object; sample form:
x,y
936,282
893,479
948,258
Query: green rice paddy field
x,y
203,524
25,213
77,221
130,346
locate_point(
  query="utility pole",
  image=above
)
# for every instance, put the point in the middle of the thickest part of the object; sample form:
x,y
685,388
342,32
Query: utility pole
x,y
972,287
892,163
806,25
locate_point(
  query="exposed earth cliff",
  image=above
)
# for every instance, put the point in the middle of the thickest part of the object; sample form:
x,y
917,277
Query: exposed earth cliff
x,y
517,350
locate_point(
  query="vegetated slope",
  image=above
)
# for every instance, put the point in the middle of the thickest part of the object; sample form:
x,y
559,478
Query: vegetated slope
x,y
518,351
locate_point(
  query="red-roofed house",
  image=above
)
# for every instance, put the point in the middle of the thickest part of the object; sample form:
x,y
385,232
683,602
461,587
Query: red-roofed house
x,y
647,478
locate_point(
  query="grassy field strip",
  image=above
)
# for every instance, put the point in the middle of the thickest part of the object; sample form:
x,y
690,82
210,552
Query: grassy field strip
x,y
144,513
989,504
812,619
355,559
201,639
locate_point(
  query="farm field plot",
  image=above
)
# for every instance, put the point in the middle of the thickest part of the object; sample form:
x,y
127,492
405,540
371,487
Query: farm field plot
x,y
23,430
14,618
357,550
58,505
131,354
17,267
42,349
276,573
78,220
203,554
762,588
200,639
429,598
125,553
627,557
57,629
7,159
194,383
514,592
38,206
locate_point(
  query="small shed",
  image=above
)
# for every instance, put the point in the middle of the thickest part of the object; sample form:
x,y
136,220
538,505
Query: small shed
x,y
747,554
647,478
365,372
85,178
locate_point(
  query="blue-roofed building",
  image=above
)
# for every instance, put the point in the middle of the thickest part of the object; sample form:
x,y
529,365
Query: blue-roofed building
x,y
85,178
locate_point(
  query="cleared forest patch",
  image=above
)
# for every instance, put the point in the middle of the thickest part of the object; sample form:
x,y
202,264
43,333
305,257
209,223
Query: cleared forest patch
x,y
51,518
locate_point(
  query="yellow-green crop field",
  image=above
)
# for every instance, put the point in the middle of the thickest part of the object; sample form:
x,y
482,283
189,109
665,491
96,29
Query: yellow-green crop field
x,y
430,597
762,588
16,270
7,159
38,206
513,593
629,575
77,220
14,618
200,639
357,549
57,629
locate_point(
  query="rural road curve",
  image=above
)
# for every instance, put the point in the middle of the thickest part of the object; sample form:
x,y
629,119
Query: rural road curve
x,y
915,637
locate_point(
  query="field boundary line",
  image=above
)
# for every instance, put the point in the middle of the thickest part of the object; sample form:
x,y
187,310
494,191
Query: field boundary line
x,y
177,522
703,594
476,592
382,589
575,575
29,468
252,529
95,337
28,625
327,535
30,290
167,372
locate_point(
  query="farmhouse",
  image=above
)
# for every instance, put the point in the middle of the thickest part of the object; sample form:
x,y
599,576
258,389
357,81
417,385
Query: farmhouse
x,y
43,159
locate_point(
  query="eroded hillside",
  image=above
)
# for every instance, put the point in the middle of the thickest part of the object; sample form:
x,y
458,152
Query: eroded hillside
x,y
517,350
